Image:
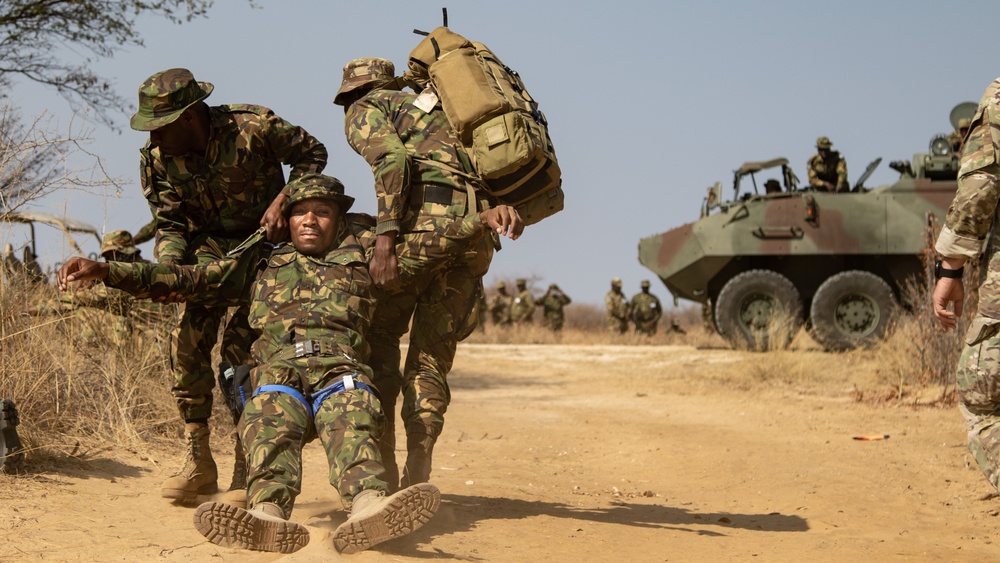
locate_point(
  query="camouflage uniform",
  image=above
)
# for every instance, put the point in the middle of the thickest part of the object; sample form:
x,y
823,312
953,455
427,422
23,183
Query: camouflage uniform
x,y
426,187
145,233
204,205
522,308
617,308
552,304
500,306
956,137
972,219
831,169
645,310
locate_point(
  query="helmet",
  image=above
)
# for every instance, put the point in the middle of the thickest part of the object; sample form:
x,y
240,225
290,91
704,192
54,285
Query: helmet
x,y
616,282
362,72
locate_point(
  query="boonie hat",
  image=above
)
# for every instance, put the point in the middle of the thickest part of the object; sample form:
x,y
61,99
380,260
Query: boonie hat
x,y
311,186
501,285
964,123
824,143
616,281
118,241
644,283
164,96
521,281
361,72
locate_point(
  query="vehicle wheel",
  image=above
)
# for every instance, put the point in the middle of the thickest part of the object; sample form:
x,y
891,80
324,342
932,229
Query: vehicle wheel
x,y
759,310
851,309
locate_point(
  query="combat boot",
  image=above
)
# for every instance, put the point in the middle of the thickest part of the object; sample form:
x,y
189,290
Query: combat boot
x,y
11,450
237,493
198,475
419,452
264,528
376,518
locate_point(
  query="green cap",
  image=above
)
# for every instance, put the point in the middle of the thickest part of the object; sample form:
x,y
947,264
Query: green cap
x,y
164,96
309,186
361,72
118,241
824,143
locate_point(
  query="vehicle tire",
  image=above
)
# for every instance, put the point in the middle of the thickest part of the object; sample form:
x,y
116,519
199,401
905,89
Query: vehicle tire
x,y
851,309
759,310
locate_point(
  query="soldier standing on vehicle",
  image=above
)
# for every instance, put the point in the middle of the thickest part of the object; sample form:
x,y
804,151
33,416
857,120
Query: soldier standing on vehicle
x,y
522,309
552,304
426,188
212,176
970,221
645,310
827,169
618,309
500,306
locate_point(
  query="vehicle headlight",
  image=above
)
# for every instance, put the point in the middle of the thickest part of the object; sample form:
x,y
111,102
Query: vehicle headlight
x,y
940,146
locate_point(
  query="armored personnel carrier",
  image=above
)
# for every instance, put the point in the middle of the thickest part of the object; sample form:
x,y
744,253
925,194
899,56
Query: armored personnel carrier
x,y
765,263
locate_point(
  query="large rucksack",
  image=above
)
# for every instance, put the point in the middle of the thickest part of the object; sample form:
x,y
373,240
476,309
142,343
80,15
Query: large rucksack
x,y
496,119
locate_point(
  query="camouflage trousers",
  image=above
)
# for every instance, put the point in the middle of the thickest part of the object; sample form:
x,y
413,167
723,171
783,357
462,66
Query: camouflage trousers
x,y
646,327
442,299
554,321
617,325
195,336
978,380
276,426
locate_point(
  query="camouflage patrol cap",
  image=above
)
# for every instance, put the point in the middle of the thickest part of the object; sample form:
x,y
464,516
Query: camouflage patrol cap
x,y
362,72
644,283
164,96
824,143
309,186
964,123
118,241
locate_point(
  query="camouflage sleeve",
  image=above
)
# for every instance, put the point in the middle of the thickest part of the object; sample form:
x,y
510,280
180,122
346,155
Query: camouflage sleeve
x,y
371,134
166,206
565,299
811,172
842,185
223,282
972,211
293,146
147,232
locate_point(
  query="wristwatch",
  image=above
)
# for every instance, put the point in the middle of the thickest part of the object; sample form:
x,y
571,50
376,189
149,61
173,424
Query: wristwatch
x,y
941,272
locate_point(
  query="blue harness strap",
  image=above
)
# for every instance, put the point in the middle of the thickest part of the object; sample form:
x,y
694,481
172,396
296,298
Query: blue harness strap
x,y
347,383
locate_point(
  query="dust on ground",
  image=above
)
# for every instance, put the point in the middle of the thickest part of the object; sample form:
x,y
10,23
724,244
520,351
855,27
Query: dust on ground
x,y
593,453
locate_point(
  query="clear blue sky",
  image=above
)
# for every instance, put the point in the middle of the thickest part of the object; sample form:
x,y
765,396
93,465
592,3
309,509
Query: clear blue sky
x,y
648,102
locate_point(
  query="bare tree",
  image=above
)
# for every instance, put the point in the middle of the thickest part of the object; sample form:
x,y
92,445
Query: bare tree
x,y
36,36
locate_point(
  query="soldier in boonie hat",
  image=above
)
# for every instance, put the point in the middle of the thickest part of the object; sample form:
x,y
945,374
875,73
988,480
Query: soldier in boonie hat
x,y
363,74
118,244
824,143
616,282
310,186
164,96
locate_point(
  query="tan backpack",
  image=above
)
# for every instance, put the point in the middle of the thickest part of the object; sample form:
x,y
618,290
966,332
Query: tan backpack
x,y
489,108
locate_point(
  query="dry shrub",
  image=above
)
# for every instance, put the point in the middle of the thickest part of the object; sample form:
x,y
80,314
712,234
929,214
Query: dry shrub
x,y
78,383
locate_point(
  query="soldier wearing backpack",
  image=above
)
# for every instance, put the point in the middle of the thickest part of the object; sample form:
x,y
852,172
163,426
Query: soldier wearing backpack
x,y
425,185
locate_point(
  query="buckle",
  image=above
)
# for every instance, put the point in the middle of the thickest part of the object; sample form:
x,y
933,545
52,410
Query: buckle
x,y
306,348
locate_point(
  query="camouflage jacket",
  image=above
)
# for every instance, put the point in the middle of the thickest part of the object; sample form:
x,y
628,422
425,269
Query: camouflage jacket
x,y
833,170
294,298
523,307
552,302
500,309
225,192
973,216
423,176
616,304
645,308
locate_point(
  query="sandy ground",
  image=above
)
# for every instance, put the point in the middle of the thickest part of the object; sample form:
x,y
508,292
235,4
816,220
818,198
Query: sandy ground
x,y
594,453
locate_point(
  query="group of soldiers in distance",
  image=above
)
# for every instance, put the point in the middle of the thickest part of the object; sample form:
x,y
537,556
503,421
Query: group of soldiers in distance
x,y
643,310
507,310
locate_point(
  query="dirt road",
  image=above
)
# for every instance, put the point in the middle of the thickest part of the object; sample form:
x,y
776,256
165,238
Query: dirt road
x,y
597,453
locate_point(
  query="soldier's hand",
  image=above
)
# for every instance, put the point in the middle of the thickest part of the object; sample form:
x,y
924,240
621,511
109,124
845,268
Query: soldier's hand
x,y
80,269
505,220
948,291
274,221
384,267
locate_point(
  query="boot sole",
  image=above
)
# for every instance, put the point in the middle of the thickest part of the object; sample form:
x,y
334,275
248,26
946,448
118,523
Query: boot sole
x,y
11,454
231,526
405,512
